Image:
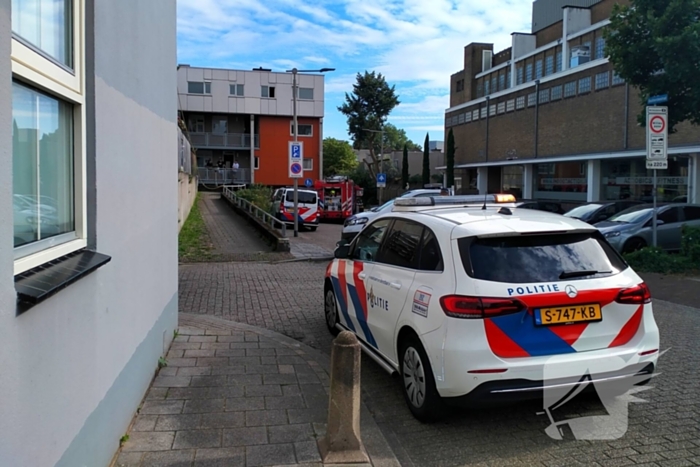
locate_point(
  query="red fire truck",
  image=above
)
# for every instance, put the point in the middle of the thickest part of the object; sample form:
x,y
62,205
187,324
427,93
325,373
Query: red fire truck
x,y
338,197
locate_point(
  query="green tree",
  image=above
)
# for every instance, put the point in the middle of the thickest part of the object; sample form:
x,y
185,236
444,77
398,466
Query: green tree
x,y
368,107
655,46
338,157
450,159
395,139
426,160
404,167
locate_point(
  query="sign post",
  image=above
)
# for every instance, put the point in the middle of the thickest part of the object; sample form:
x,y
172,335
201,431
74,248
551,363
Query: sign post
x,y
381,183
657,149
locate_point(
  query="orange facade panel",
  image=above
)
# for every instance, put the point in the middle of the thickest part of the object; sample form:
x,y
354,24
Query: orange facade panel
x,y
275,135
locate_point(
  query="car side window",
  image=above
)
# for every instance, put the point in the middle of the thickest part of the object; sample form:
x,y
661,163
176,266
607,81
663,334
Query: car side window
x,y
368,242
430,255
669,216
401,245
692,213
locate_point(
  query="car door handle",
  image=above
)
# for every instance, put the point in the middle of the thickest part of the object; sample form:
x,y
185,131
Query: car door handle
x,y
395,285
362,275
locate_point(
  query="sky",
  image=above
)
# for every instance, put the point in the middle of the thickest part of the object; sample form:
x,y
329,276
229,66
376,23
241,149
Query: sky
x,y
415,44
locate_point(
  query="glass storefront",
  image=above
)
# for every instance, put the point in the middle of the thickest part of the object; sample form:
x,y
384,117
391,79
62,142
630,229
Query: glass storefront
x,y
512,180
564,181
466,182
630,179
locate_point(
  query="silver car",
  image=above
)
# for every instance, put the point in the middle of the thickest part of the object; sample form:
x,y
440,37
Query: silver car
x,y
631,229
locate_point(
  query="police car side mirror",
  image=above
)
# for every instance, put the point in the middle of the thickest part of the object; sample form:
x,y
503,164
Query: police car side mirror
x,y
342,251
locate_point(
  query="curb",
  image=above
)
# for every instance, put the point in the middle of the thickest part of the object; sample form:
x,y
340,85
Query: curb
x,y
380,452
299,260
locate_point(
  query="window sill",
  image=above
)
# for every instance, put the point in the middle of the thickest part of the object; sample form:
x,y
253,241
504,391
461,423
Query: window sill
x,y
38,284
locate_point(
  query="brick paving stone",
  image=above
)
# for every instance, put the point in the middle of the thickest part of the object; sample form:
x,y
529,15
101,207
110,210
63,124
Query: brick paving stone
x,y
307,451
285,402
129,459
245,403
145,422
194,371
157,393
266,390
171,381
265,417
225,457
269,454
162,407
228,370
203,406
169,458
178,422
223,420
290,433
245,436
149,441
197,439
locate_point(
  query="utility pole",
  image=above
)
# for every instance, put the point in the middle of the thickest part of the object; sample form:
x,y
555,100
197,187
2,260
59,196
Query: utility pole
x,y
296,133
295,94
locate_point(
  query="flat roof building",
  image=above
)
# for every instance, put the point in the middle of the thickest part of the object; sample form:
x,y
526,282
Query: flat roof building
x,y
244,117
548,117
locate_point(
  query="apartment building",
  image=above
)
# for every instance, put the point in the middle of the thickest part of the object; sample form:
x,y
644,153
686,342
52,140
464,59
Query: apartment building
x,y
548,118
88,238
243,119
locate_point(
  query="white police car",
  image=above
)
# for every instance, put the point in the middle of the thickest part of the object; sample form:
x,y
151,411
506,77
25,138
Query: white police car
x,y
354,224
489,302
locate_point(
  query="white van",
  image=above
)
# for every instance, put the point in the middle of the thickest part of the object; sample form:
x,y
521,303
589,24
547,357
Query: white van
x,y
283,206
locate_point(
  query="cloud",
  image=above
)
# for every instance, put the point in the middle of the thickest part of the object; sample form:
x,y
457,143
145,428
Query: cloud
x,y
416,44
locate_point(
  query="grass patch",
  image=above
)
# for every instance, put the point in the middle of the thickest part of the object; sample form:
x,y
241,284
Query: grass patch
x,y
193,241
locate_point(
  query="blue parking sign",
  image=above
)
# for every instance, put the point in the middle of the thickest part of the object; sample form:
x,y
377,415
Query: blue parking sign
x,y
381,180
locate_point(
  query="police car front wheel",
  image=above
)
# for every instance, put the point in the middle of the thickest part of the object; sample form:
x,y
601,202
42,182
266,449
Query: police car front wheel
x,y
331,311
418,382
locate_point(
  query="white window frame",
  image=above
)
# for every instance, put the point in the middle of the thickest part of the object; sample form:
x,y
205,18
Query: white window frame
x,y
291,129
307,164
206,88
35,70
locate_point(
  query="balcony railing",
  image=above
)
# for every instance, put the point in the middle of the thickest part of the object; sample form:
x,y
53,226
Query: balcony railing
x,y
223,140
218,177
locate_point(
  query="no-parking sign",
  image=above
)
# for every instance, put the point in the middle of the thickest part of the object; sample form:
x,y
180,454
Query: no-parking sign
x,y
296,157
657,137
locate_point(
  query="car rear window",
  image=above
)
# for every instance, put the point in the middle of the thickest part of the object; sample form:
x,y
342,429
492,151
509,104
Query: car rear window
x,y
304,197
539,258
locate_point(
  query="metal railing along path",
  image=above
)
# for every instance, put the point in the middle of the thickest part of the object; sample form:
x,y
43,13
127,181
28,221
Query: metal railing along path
x,y
229,192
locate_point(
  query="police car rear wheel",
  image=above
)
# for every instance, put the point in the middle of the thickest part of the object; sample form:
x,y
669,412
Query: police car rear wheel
x,y
418,382
331,310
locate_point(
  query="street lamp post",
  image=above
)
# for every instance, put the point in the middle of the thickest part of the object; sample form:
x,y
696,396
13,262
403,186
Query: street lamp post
x,y
295,93
381,190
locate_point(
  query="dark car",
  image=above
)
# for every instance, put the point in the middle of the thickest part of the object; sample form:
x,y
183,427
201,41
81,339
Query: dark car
x,y
600,210
540,205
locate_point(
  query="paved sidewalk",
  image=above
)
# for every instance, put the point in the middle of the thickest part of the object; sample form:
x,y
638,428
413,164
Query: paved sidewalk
x,y
233,238
238,395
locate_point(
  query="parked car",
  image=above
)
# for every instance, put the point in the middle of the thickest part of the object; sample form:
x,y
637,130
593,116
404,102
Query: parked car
x,y
307,201
631,229
354,224
540,205
600,210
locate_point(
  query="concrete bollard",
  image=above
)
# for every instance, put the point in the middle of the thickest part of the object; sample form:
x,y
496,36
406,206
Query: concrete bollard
x,y
342,443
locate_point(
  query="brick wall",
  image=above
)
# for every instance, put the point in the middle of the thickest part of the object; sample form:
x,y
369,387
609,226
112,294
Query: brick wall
x,y
593,122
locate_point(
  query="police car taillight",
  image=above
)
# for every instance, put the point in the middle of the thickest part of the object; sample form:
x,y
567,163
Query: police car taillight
x,y
637,295
459,306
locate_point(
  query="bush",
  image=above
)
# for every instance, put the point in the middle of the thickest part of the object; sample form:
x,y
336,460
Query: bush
x,y
258,195
652,259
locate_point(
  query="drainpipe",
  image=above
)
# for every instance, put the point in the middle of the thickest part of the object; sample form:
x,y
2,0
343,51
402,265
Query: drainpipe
x,y
627,115
488,112
537,114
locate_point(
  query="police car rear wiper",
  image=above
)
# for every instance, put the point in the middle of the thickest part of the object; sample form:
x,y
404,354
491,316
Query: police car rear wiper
x,y
570,274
